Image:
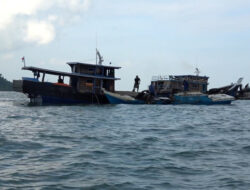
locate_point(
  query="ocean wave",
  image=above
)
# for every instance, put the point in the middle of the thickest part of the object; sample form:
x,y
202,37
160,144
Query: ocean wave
x,y
123,146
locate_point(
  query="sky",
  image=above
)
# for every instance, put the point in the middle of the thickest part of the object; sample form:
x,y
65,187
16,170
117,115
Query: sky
x,y
145,37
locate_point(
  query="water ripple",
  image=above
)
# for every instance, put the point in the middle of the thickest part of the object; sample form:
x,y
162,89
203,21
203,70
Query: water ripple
x,y
123,146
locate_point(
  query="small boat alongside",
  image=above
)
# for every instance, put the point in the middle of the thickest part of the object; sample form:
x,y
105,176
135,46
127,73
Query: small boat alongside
x,y
231,89
116,98
244,94
143,97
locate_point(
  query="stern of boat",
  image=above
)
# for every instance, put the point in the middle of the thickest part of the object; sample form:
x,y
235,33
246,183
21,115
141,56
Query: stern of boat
x,y
18,85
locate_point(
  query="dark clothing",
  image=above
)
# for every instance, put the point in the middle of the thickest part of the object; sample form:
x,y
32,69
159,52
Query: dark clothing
x,y
137,83
60,80
137,80
152,90
186,86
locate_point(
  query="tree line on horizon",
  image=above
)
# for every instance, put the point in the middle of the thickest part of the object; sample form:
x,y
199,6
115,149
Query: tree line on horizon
x,y
5,85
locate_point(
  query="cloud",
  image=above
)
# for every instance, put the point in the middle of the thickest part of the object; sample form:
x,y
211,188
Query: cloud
x,y
32,21
74,5
9,9
188,14
7,56
176,8
40,32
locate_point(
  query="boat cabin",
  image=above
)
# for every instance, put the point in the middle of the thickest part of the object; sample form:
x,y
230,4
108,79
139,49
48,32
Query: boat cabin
x,y
99,76
84,77
179,83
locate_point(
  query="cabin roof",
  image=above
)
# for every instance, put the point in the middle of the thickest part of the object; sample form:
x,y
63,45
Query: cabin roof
x,y
179,77
191,76
58,73
93,65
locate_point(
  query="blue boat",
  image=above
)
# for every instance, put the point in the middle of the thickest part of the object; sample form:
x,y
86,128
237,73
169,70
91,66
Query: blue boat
x,y
116,98
198,98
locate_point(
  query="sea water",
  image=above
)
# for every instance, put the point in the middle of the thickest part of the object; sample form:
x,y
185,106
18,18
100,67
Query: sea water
x,y
123,146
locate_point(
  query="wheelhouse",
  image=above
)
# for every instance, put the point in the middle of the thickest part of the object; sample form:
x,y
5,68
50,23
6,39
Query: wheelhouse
x,y
84,77
98,77
173,84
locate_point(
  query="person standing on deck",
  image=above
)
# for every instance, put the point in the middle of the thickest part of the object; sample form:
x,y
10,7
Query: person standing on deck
x,y
137,83
186,86
60,80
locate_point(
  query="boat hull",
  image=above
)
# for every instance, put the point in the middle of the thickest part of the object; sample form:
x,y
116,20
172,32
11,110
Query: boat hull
x,y
50,93
202,99
115,98
244,95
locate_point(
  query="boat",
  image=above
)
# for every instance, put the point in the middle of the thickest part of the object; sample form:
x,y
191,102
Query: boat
x,y
171,85
231,89
119,98
86,82
144,97
244,94
201,98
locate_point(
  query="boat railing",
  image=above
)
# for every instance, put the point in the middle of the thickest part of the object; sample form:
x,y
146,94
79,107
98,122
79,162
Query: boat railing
x,y
162,77
179,78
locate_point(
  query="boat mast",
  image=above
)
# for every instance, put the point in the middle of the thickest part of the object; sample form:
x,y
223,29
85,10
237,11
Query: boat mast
x,y
100,58
197,71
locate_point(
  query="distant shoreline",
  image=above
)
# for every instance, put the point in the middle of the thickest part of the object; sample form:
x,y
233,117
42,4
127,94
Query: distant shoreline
x,y
5,85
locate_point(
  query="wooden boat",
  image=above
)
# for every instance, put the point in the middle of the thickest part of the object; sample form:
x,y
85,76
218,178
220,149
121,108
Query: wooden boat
x,y
244,94
231,89
169,86
86,82
202,99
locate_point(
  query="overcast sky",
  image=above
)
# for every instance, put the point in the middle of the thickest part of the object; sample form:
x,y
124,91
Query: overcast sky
x,y
145,37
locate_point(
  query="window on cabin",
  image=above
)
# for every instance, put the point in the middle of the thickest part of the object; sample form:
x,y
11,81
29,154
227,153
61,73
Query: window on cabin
x,y
73,69
89,81
87,70
194,86
111,73
204,88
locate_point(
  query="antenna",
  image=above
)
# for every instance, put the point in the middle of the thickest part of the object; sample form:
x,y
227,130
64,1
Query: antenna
x,y
96,48
96,56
